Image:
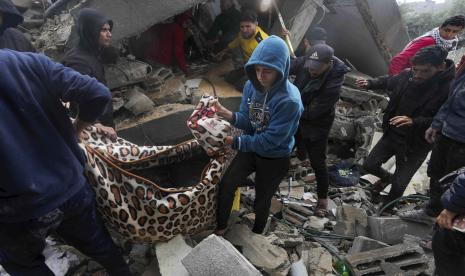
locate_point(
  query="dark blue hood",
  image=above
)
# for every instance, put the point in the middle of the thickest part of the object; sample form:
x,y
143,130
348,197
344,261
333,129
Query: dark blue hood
x,y
89,23
273,53
11,16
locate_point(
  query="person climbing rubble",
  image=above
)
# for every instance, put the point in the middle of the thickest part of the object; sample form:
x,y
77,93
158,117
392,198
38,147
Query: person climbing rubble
x,y
94,31
416,95
249,37
269,113
319,77
10,37
445,36
43,188
225,27
447,134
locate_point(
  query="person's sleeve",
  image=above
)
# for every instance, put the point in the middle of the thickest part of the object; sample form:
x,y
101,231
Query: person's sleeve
x,y
325,101
402,60
179,48
275,134
438,120
241,118
384,82
69,85
454,198
79,65
296,64
235,43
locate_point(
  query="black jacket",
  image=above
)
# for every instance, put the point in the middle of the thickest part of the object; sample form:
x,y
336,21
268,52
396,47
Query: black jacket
x,y
428,98
85,57
319,103
10,37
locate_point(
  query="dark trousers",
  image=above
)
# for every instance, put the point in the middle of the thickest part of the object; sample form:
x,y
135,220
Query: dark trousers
x,y
316,152
449,252
76,221
268,176
407,163
301,150
447,156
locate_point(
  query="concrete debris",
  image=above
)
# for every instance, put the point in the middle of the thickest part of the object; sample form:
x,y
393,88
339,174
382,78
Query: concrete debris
x,y
316,258
59,259
351,221
298,269
170,91
258,250
362,244
389,260
126,72
170,255
137,101
391,229
316,223
54,35
294,217
192,87
216,256
288,239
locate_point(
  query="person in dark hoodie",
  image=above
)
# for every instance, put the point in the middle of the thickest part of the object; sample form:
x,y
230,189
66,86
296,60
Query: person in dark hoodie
x,y
94,31
448,243
269,114
43,187
10,37
447,135
416,96
225,27
319,77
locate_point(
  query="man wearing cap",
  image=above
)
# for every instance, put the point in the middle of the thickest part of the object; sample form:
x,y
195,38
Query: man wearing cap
x,y
319,77
416,95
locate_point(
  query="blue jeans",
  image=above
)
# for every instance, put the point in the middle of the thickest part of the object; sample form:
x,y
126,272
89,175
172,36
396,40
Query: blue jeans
x,y
76,221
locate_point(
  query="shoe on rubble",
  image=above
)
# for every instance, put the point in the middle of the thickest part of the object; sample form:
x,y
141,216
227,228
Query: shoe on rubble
x,y
417,216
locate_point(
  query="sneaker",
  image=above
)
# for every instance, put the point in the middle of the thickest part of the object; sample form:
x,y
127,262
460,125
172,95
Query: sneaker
x,y
418,216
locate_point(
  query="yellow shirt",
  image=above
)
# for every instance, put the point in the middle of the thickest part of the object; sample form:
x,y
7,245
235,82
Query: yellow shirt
x,y
248,45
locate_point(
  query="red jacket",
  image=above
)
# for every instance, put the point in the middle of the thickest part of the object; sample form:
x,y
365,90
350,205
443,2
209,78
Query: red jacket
x,y
168,44
403,60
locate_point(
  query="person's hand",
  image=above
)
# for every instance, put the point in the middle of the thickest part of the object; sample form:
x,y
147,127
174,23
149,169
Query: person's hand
x,y
362,83
399,121
285,32
430,135
107,131
229,140
221,110
445,219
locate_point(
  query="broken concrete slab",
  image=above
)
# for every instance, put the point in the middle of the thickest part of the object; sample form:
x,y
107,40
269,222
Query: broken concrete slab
x,y
362,244
137,102
316,258
391,229
170,254
298,269
170,91
351,221
286,239
258,250
126,72
216,256
316,223
401,258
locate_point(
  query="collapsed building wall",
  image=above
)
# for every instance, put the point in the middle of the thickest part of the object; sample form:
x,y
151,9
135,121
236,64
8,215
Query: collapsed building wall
x,y
351,33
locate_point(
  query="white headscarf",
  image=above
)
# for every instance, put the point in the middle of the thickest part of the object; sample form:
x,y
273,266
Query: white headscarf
x,y
449,45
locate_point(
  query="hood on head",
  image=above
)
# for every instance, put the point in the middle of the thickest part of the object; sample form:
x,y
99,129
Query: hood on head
x,y
272,53
89,24
11,16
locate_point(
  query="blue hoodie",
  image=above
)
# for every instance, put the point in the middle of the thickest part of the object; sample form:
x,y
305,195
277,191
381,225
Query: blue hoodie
x,y
269,118
42,164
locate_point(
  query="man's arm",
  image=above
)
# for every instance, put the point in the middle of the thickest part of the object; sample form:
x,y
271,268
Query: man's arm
x,y
402,60
296,63
453,201
69,85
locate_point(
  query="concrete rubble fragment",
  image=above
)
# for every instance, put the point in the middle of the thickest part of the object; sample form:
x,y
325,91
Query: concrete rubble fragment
x,y
216,256
362,244
258,250
137,101
316,258
389,260
170,91
288,239
351,221
298,269
316,223
170,255
391,229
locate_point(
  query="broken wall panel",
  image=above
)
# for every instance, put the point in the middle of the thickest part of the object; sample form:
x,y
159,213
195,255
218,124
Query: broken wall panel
x,y
132,17
350,36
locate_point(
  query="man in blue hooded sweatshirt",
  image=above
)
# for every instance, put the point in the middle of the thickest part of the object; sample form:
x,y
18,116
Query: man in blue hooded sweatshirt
x,y
269,115
43,187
